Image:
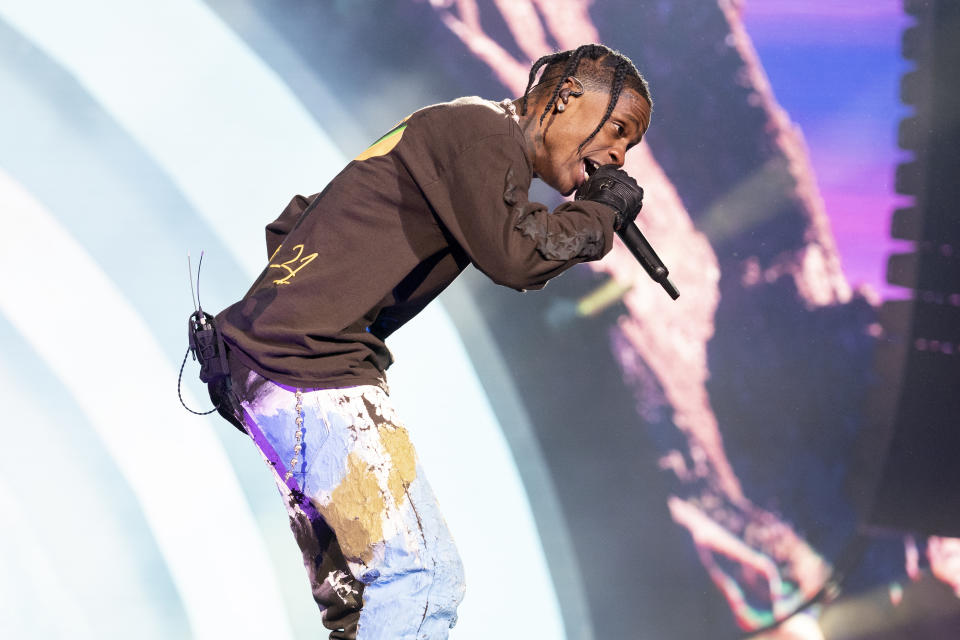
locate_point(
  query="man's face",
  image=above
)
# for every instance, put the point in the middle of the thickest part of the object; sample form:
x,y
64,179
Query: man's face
x,y
557,160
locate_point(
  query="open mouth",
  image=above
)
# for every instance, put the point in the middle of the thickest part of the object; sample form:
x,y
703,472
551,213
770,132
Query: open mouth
x,y
589,167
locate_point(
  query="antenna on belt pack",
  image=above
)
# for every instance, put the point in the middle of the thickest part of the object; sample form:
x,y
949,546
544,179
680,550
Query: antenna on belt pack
x,y
204,340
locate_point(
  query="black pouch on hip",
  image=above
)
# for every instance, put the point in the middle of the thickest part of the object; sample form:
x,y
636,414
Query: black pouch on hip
x,y
206,345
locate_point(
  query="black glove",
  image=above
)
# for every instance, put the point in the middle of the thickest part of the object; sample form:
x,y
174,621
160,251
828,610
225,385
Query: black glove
x,y
614,187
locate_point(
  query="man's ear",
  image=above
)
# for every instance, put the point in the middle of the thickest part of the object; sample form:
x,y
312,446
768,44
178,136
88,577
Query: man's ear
x,y
571,87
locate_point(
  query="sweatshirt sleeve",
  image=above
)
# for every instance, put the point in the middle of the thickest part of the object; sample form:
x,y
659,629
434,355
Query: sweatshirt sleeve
x,y
481,198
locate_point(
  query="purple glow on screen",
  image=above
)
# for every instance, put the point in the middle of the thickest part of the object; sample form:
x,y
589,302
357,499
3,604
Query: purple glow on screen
x,y
835,68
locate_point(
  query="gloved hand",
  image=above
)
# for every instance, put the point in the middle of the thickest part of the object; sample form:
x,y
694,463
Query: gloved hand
x,y
614,187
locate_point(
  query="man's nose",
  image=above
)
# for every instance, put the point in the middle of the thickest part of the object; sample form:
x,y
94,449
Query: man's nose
x,y
616,156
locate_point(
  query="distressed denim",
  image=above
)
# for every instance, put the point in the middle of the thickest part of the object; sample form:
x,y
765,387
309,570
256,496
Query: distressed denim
x,y
381,561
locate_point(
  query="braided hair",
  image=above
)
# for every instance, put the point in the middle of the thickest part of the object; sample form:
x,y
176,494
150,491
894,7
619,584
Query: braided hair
x,y
605,67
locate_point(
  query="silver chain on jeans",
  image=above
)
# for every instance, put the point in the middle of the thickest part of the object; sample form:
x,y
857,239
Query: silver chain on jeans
x,y
298,436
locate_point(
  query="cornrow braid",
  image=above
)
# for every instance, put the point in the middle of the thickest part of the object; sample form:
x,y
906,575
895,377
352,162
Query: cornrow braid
x,y
569,70
533,74
623,69
619,73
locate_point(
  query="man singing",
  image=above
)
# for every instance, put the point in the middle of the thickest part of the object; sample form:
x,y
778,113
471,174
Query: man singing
x,y
445,188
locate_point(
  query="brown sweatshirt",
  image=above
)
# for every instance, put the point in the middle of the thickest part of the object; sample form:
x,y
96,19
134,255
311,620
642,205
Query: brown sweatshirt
x,y
445,188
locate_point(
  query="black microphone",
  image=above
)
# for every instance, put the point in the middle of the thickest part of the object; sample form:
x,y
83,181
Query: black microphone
x,y
612,186
646,256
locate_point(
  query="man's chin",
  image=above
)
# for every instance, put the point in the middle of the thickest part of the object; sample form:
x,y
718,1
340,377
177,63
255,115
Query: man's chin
x,y
565,190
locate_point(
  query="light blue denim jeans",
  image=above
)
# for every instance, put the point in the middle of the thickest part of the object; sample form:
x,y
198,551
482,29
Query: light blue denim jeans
x,y
381,561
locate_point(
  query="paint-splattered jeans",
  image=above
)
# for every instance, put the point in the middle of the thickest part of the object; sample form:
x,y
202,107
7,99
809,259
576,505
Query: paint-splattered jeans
x,y
380,559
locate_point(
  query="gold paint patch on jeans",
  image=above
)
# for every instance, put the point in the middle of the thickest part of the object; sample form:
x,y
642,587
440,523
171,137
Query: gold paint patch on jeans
x,y
356,511
403,467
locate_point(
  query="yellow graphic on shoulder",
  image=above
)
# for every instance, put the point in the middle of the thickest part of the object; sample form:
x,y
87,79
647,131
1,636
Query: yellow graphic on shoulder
x,y
386,143
298,261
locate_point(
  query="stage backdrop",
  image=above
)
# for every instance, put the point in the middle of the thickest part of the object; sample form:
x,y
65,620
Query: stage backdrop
x,y
613,464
